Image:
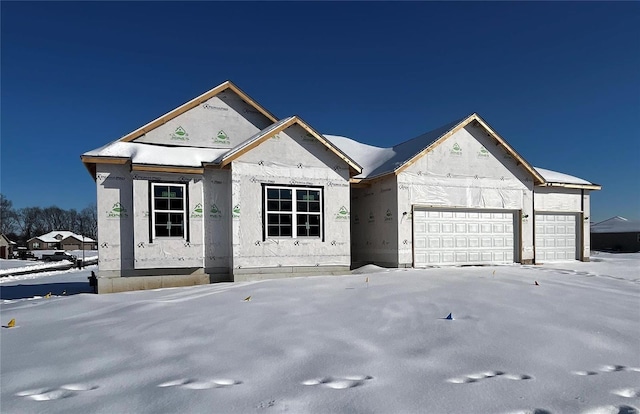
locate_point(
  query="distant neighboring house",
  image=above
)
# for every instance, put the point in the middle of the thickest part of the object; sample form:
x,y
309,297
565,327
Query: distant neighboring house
x,y
61,240
6,247
616,234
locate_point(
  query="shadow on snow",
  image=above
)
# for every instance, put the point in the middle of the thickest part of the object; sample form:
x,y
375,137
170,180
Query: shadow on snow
x,y
56,289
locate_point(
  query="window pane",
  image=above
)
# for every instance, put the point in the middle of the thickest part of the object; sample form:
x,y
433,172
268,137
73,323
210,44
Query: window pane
x,y
285,219
314,220
273,205
285,231
285,206
176,204
314,231
285,194
161,231
176,192
161,218
314,206
273,193
161,204
273,219
175,226
302,206
273,231
159,190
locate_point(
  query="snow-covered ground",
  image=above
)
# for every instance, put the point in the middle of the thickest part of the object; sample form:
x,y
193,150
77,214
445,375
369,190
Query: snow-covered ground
x,y
568,344
11,266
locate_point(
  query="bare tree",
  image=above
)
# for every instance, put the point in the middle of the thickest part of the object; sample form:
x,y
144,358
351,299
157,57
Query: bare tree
x,y
89,216
8,217
55,218
30,222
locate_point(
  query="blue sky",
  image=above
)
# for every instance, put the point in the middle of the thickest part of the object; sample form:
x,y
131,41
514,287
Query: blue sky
x,y
560,81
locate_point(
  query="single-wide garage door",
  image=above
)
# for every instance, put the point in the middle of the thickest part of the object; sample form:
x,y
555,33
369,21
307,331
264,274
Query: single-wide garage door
x,y
556,236
461,237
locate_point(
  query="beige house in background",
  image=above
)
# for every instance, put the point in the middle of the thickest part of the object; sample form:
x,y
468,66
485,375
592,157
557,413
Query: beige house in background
x,y
61,240
6,247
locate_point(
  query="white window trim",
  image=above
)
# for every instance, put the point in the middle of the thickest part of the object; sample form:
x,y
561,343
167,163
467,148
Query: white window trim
x,y
294,212
152,220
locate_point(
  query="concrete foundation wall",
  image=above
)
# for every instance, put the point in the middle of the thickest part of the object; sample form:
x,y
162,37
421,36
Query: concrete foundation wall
x,y
124,284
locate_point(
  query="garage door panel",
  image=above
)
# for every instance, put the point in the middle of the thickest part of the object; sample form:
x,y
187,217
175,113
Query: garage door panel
x,y
556,236
464,237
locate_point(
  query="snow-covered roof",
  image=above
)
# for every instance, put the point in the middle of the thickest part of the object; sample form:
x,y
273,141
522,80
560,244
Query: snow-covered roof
x,y
367,160
376,161
51,236
154,154
558,177
616,224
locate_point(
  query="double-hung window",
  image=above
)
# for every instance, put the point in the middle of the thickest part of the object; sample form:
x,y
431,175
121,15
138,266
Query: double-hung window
x,y
168,210
293,212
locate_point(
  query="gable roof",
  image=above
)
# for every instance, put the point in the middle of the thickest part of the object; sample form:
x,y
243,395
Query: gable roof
x,y
280,126
193,158
378,162
193,103
616,224
383,161
6,239
51,237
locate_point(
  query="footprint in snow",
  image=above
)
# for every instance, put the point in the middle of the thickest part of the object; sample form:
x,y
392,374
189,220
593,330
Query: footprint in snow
x,y
48,394
195,384
488,374
612,409
606,368
627,392
339,383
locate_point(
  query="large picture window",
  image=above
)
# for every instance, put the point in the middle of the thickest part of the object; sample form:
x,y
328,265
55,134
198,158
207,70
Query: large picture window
x,y
293,212
168,210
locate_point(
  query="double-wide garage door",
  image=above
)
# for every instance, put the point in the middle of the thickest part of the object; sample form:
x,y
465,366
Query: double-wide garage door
x,y
444,237
556,236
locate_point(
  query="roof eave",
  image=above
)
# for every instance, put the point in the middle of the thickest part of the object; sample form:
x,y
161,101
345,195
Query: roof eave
x,y
90,162
594,187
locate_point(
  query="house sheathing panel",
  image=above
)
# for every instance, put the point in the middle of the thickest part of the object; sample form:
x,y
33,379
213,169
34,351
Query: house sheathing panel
x,y
375,219
292,158
222,121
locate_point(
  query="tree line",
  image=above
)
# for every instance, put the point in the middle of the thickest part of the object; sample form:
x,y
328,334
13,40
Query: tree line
x,y
20,225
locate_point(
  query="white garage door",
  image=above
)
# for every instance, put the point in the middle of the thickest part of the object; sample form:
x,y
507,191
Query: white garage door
x,y
556,237
462,237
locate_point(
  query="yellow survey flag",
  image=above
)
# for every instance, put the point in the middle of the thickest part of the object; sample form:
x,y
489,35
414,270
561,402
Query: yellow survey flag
x,y
11,323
